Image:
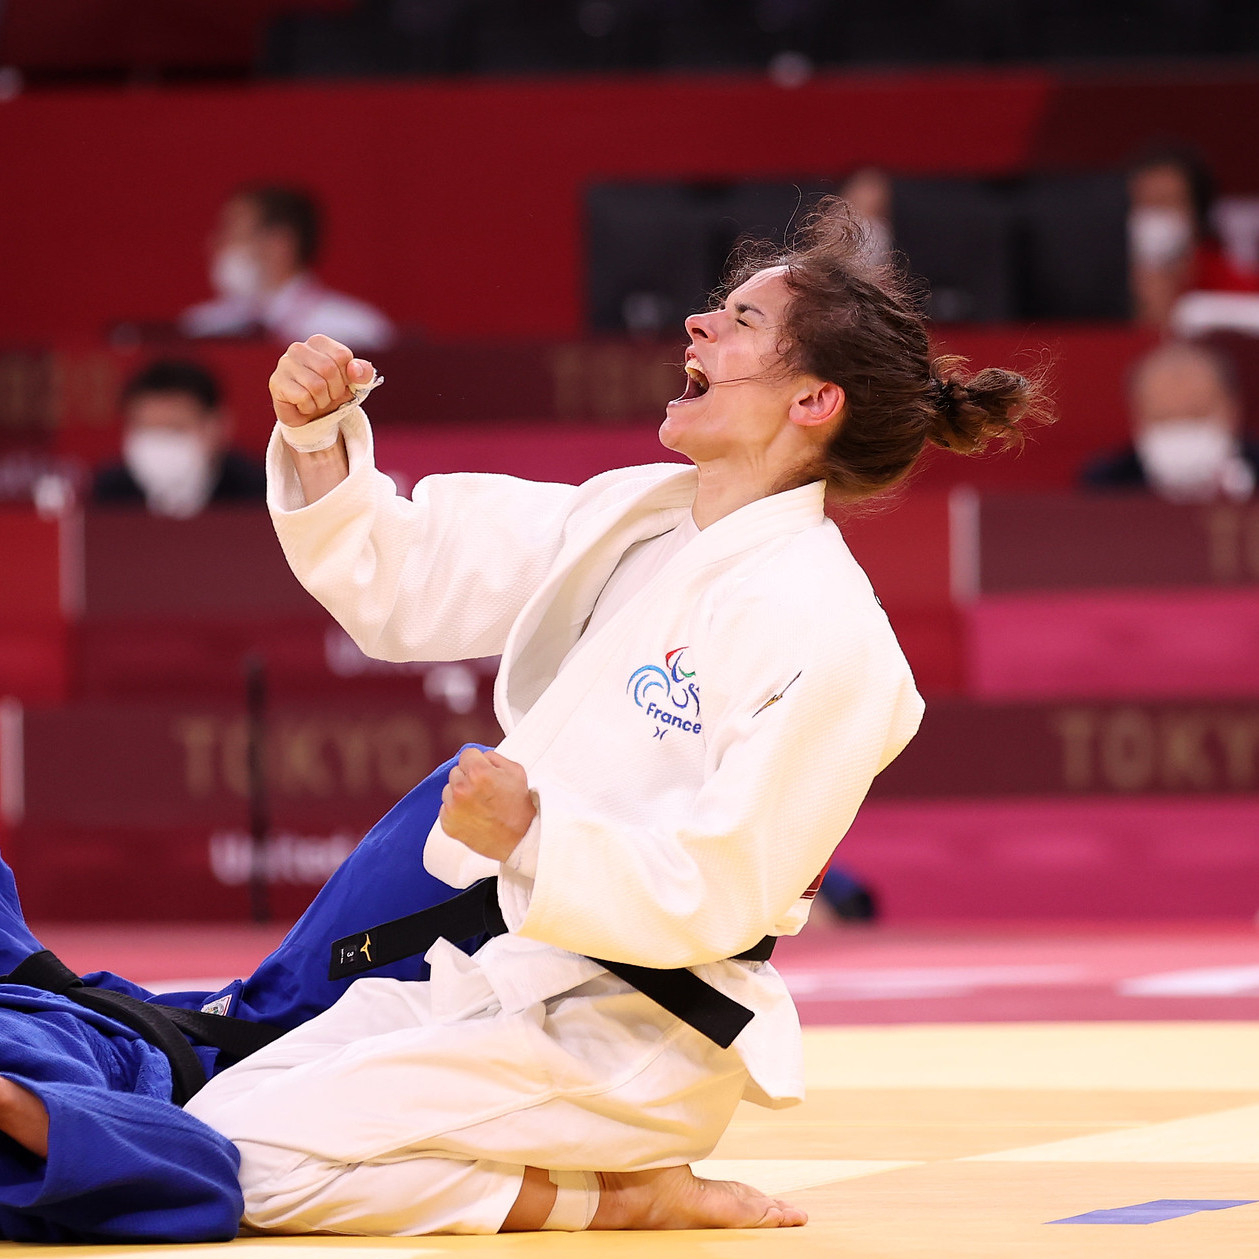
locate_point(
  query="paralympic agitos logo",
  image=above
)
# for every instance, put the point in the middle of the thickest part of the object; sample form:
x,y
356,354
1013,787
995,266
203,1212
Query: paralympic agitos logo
x,y
667,695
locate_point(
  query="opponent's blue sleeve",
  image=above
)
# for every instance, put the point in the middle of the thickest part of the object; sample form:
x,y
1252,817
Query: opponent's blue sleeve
x,y
123,1163
120,1167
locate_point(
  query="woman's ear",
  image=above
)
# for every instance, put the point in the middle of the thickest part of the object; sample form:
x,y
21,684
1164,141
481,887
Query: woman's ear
x,y
819,405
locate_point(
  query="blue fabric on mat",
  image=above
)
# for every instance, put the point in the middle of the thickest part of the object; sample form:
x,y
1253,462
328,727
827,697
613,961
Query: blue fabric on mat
x,y
124,1163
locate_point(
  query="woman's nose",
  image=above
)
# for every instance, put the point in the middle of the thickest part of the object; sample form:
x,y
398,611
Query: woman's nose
x,y
697,328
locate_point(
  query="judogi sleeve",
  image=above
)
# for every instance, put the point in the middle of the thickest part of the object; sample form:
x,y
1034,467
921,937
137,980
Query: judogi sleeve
x,y
121,1167
438,576
783,782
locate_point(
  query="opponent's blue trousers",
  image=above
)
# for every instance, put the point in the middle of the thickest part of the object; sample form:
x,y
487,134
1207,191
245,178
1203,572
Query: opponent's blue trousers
x,y
124,1163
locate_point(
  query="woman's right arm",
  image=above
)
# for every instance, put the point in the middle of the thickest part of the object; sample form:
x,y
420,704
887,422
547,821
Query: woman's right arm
x,y
439,576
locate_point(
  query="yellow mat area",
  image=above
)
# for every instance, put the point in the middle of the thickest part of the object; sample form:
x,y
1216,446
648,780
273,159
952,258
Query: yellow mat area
x,y
951,1142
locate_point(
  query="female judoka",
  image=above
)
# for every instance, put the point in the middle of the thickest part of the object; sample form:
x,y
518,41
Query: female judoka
x,y
697,687
91,1147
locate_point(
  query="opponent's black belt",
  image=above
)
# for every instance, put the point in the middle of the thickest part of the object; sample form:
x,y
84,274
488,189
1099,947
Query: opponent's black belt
x,y
475,912
164,1026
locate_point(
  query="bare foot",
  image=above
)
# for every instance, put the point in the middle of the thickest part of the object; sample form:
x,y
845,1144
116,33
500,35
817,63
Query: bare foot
x,y
673,1197
23,1117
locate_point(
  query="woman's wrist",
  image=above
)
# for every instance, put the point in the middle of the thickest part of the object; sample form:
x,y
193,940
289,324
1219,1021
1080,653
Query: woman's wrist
x,y
315,436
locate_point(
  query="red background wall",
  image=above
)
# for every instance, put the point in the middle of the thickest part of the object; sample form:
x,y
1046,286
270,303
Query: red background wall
x,y
457,205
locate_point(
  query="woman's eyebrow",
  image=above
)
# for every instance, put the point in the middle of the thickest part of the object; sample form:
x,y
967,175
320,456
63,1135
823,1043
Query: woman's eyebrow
x,y
743,308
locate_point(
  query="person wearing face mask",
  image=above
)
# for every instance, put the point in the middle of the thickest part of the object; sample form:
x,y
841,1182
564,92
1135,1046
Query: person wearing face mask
x,y
1172,248
1188,442
261,256
176,460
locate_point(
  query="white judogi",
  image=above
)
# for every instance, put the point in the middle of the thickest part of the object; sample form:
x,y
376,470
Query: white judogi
x,y
695,760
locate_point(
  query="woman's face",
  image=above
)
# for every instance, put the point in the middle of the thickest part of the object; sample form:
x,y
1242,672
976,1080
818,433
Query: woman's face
x,y
739,391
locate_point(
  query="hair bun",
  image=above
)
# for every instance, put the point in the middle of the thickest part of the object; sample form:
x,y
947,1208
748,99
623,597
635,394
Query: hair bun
x,y
969,412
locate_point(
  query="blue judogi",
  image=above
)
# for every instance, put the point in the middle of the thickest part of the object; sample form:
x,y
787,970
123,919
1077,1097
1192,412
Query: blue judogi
x,y
124,1164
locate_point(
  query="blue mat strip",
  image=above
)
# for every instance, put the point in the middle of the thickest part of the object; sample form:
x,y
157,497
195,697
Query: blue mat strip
x,y
1153,1212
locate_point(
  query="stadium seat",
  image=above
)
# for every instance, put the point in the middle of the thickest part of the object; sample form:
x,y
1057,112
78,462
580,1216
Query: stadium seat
x,y
959,236
1074,251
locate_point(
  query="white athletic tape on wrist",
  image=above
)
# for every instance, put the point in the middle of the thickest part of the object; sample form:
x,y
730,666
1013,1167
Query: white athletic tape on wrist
x,y
576,1201
322,433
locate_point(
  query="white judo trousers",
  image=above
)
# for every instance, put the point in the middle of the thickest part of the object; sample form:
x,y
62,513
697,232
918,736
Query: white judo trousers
x,y
412,1108
695,756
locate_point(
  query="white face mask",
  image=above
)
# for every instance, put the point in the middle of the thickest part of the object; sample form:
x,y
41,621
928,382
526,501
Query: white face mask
x,y
1158,235
234,272
1189,460
175,470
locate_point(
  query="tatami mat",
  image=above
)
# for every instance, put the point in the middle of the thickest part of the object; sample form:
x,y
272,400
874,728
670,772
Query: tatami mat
x,y
954,1142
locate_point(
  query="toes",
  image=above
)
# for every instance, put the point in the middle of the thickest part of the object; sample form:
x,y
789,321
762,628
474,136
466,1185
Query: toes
x,y
697,1203
775,1212
783,1215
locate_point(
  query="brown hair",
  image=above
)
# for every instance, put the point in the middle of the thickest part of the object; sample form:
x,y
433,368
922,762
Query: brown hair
x,y
860,325
293,209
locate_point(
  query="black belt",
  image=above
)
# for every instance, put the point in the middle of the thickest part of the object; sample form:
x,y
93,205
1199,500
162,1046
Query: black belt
x,y
164,1026
475,912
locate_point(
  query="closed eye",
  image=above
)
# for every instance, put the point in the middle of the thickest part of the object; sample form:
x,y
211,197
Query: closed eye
x,y
742,308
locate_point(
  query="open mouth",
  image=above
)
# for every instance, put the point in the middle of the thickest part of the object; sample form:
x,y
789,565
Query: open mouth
x,y
696,383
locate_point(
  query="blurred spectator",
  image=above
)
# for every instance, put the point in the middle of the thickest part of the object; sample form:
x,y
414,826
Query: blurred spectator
x,y
1187,429
175,455
260,267
869,193
1172,245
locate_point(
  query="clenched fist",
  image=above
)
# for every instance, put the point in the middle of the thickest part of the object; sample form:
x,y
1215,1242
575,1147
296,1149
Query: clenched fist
x,y
313,378
486,804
